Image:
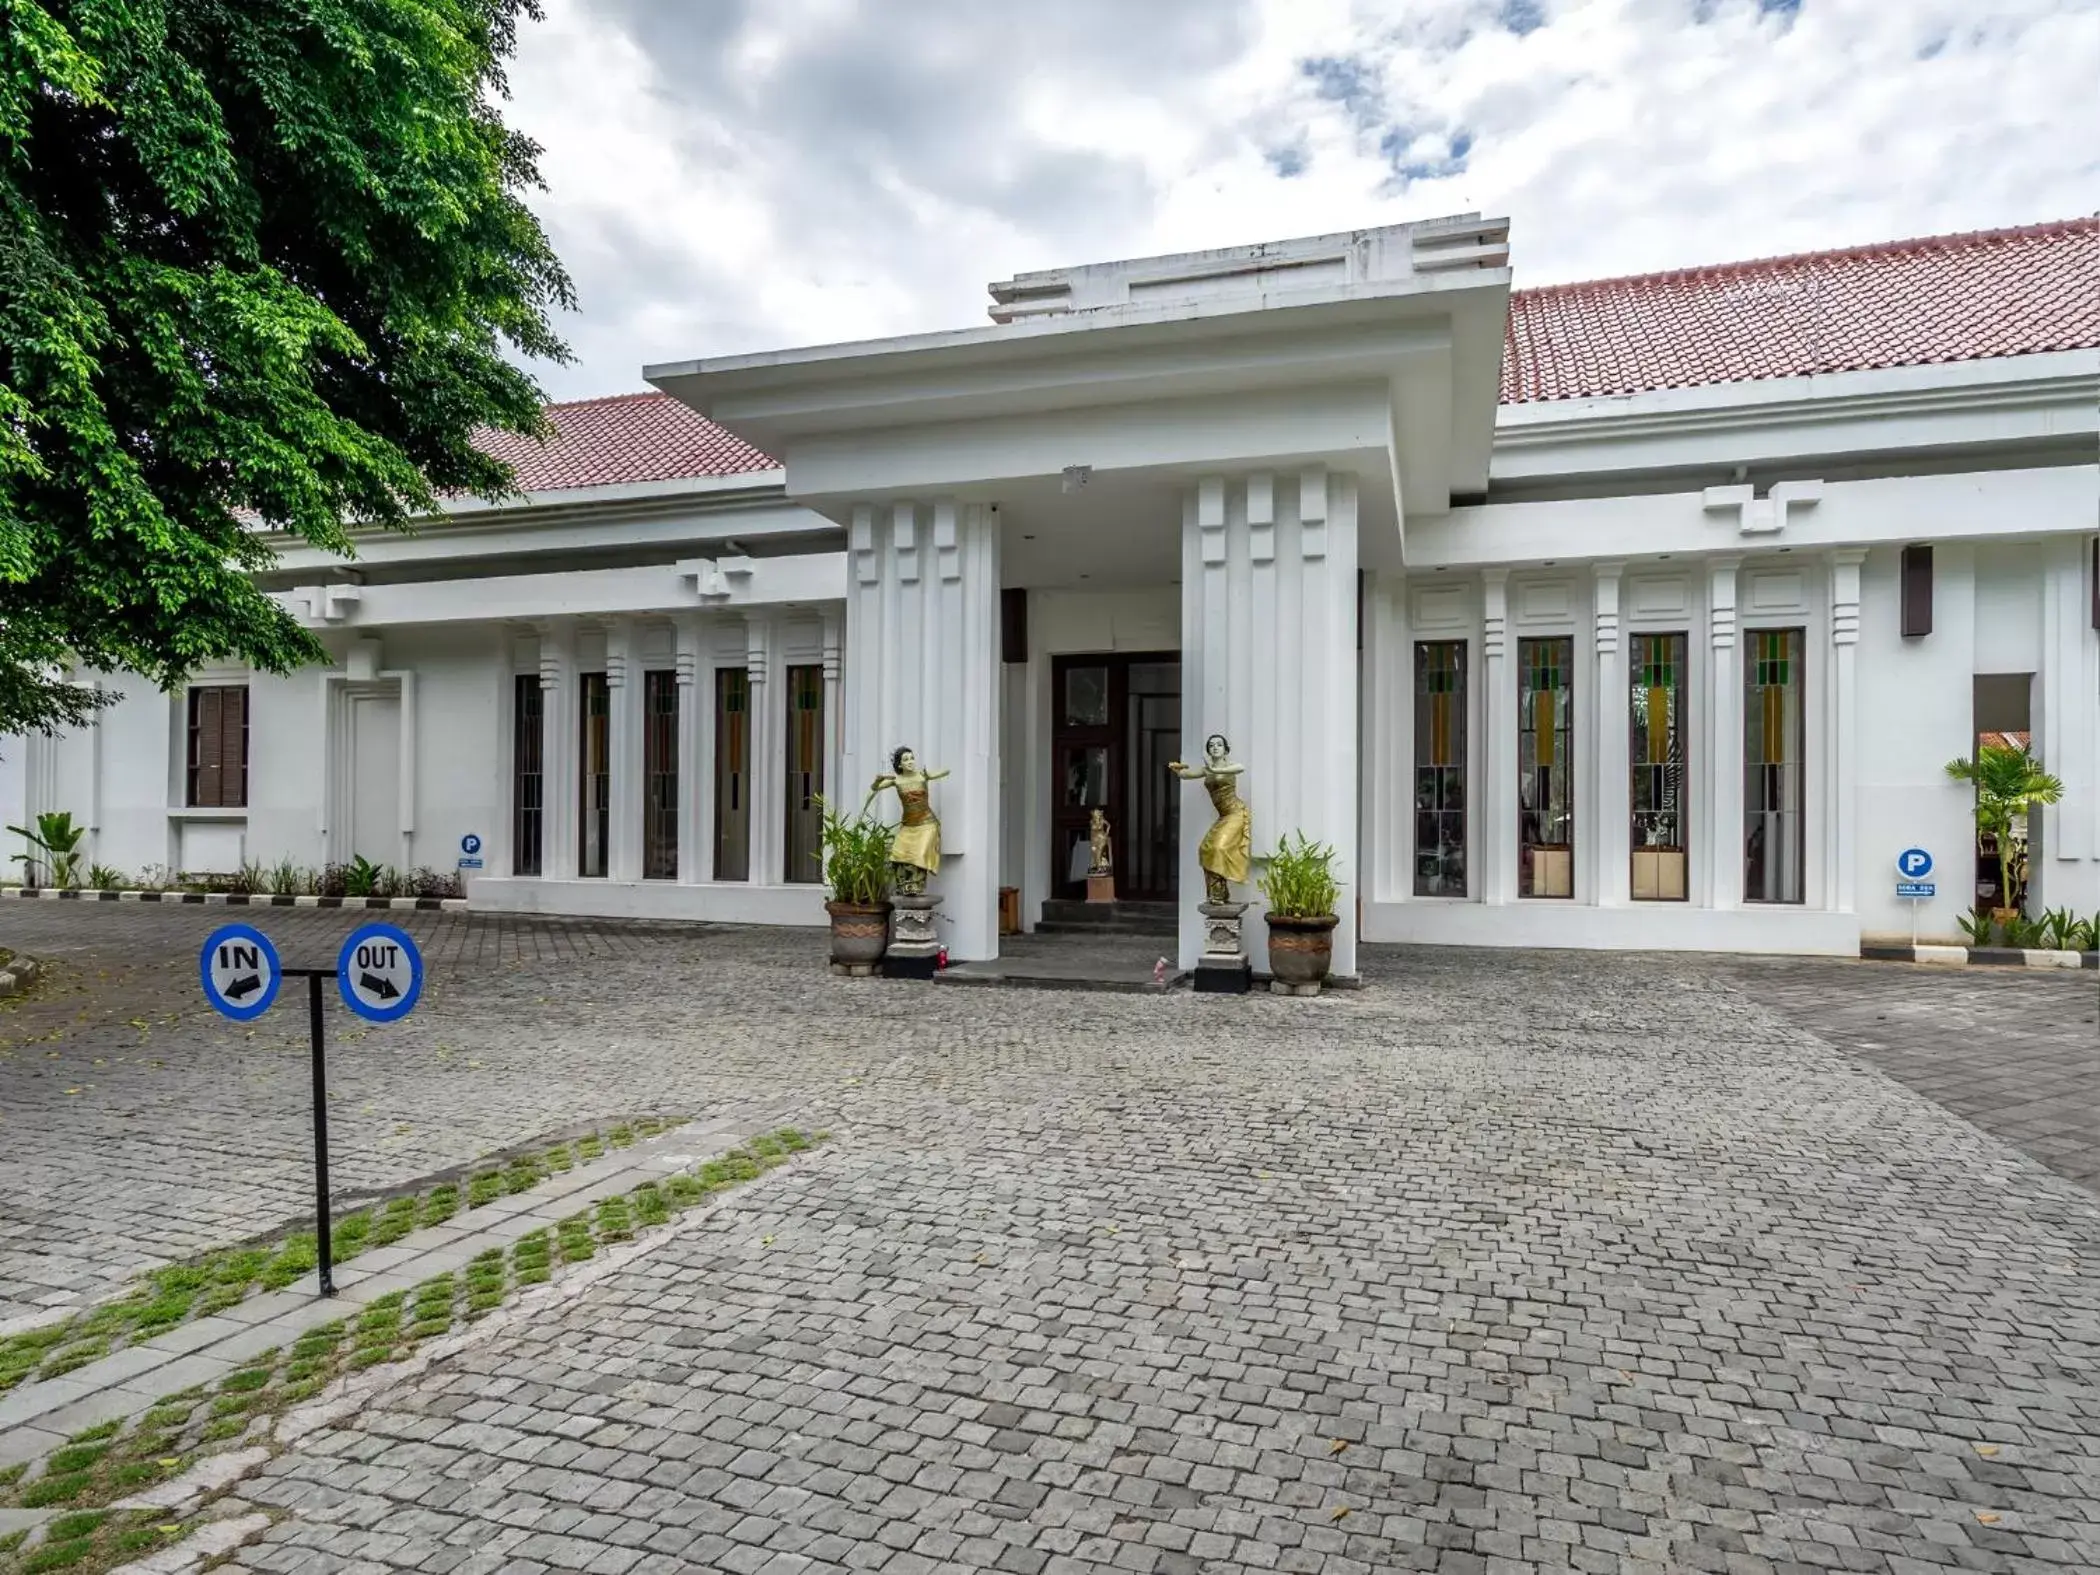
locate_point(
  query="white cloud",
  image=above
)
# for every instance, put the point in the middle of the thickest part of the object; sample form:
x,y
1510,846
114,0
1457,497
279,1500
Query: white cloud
x,y
732,175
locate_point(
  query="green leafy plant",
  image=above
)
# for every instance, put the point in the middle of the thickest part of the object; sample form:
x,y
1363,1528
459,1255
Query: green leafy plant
x,y
1298,879
856,856
2060,929
58,857
104,878
361,877
2009,782
286,879
2020,932
1976,925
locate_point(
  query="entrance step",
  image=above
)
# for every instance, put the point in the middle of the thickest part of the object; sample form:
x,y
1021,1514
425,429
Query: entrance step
x,y
1068,916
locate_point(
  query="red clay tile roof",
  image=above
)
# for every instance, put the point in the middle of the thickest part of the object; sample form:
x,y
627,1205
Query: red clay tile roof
x,y
626,438
1899,303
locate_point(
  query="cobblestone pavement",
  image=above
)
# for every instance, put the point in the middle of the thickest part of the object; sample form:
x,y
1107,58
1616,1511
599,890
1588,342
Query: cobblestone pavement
x,y
2015,1050
1503,1262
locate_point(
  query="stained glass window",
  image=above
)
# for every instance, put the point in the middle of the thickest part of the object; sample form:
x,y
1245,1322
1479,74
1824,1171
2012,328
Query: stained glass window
x,y
805,773
1774,775
732,774
1440,768
1545,786
594,763
1656,728
660,775
528,786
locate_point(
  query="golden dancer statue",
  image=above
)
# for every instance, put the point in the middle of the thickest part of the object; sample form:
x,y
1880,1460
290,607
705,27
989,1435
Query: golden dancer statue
x,y
916,853
1228,847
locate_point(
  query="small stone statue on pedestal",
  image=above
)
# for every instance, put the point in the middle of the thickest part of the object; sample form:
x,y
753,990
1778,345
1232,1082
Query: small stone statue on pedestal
x,y
915,946
1100,873
1226,855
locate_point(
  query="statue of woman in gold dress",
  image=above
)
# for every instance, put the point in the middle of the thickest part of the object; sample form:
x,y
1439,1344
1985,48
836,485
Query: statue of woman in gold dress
x,y
1228,847
916,853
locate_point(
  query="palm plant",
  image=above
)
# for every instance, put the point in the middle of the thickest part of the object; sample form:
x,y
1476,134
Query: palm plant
x,y
856,856
59,854
2009,782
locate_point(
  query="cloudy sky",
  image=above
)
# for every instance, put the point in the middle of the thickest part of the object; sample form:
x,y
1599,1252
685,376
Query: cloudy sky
x,y
733,175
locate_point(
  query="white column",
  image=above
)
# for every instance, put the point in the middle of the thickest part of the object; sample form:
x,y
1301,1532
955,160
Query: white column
x,y
692,853
1841,872
920,666
836,789
623,693
1284,692
557,751
1495,837
766,764
1614,749
1724,819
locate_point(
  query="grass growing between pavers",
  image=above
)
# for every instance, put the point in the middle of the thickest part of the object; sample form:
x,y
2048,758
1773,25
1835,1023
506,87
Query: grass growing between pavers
x,y
220,1280
98,1468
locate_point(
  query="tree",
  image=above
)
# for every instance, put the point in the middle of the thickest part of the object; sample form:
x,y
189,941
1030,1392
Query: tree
x,y
259,262
2009,781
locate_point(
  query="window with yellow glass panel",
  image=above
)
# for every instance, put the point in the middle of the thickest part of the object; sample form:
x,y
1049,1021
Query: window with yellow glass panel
x,y
1545,768
1440,768
594,774
1655,703
805,774
732,774
1774,775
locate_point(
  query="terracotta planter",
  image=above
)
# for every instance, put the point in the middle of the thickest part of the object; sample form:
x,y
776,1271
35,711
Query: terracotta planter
x,y
860,933
1301,949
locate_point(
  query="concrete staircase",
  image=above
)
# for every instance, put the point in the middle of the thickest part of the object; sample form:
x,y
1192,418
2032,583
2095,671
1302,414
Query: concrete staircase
x,y
1066,916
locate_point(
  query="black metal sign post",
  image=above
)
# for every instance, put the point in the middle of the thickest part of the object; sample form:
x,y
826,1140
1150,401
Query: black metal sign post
x,y
323,1246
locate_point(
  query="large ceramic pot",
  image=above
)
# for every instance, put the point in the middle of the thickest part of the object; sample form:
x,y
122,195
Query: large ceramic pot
x,y
1300,949
860,933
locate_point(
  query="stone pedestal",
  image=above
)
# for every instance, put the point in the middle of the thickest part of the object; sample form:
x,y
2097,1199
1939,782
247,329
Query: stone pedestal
x,y
1100,888
1222,969
915,944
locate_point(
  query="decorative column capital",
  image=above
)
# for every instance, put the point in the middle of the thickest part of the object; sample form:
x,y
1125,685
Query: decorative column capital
x,y
904,540
1494,611
1844,594
946,547
1722,621
1210,517
860,542
1608,607
1261,517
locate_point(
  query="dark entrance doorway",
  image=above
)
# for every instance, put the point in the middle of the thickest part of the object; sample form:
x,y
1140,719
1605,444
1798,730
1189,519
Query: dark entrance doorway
x,y
1115,723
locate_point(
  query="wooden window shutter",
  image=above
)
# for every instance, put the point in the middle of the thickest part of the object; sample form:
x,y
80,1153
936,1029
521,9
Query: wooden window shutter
x,y
233,748
1917,591
204,747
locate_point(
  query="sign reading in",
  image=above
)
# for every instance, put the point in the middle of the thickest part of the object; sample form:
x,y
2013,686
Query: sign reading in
x,y
240,971
379,972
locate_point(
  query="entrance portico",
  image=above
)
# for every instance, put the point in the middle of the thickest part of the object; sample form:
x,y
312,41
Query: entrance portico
x,y
1236,433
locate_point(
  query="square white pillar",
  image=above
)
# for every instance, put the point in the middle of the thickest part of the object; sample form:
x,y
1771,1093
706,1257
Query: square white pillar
x,y
1724,820
1614,773
692,852
1496,834
623,693
1269,659
921,668
558,767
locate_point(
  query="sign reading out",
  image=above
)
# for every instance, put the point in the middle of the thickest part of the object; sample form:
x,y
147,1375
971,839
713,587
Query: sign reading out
x,y
379,972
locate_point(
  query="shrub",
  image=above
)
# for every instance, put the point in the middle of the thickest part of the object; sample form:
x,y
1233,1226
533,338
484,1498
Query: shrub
x,y
58,859
1298,880
104,878
856,856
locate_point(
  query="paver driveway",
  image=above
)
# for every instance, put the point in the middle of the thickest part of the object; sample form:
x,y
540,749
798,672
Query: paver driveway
x,y
1520,1261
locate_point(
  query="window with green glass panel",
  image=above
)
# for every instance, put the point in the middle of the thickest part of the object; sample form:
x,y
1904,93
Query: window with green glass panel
x,y
732,774
805,774
1440,768
1774,772
1655,702
594,774
1545,769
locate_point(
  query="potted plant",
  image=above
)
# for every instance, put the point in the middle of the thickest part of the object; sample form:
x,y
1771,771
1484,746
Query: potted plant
x,y
856,855
2008,781
1299,884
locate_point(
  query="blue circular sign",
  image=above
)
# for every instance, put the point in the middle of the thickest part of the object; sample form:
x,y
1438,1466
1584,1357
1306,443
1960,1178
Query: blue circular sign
x,y
1914,864
470,844
240,971
379,972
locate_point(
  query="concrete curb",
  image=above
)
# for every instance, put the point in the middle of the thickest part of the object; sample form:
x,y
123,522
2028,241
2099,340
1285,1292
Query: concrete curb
x,y
235,899
19,974
1980,956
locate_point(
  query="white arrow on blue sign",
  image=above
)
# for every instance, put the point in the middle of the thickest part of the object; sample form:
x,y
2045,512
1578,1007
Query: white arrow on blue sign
x,y
240,971
1914,864
379,972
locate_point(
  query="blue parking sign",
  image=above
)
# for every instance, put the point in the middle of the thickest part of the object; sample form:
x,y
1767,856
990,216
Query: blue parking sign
x,y
1914,864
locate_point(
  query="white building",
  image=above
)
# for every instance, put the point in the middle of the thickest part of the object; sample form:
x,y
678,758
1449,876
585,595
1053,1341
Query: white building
x,y
1637,613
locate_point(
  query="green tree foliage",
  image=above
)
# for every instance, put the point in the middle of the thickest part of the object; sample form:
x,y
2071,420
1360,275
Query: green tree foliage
x,y
259,264
2009,782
